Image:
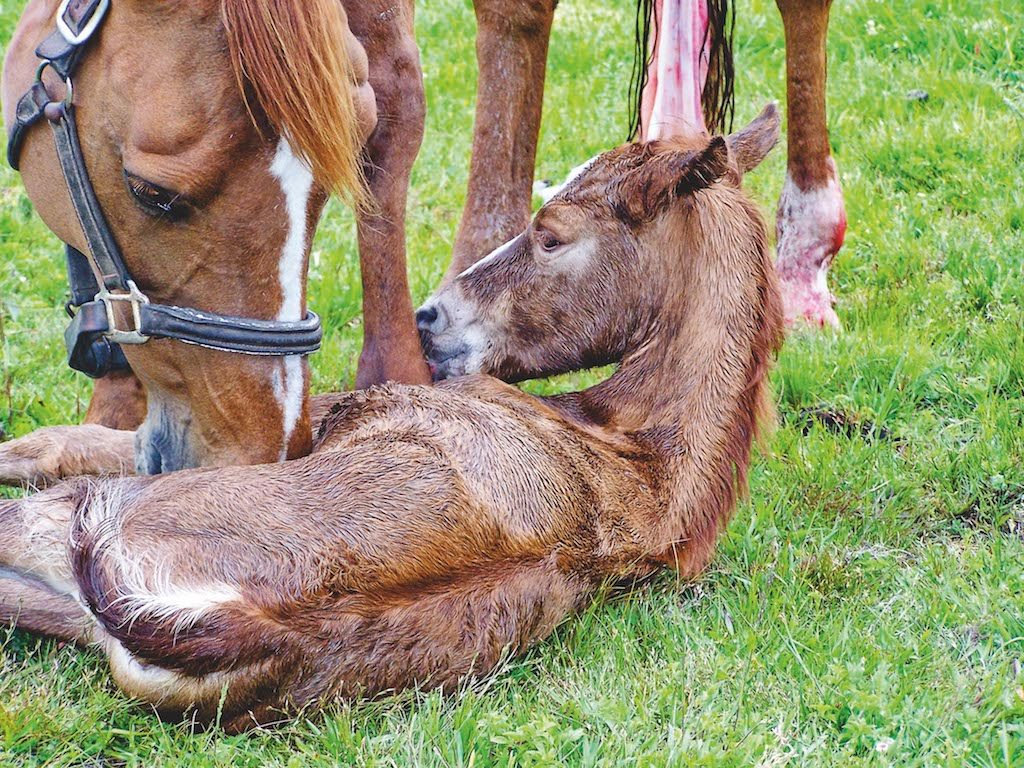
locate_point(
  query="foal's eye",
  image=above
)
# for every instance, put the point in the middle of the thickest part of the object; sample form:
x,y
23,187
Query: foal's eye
x,y
548,241
156,200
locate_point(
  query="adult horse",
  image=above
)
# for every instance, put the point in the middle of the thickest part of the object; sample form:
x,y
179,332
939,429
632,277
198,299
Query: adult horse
x,y
686,83
199,142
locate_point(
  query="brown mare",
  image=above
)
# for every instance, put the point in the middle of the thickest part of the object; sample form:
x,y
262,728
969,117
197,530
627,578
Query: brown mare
x,y
434,529
183,111
688,83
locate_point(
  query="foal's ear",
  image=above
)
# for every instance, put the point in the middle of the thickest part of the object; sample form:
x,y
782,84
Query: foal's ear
x,y
750,145
664,178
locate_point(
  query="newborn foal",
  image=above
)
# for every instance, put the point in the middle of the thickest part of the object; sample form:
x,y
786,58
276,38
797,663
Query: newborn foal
x,y
434,529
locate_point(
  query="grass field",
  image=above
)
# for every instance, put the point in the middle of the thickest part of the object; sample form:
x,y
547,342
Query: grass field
x,y
866,606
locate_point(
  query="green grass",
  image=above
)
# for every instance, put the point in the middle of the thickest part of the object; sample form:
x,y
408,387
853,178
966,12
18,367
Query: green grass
x,y
866,606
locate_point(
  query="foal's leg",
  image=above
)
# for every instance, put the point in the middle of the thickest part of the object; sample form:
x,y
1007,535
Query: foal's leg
x,y
811,217
33,607
511,48
52,453
391,347
103,445
245,589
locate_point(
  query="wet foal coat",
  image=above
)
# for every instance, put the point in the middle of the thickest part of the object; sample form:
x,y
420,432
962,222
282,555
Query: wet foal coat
x,y
434,530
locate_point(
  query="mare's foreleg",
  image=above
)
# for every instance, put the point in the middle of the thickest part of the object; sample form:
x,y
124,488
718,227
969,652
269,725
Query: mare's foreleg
x,y
391,346
811,221
511,48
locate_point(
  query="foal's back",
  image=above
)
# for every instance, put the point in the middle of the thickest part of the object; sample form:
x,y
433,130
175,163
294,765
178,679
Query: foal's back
x,y
518,463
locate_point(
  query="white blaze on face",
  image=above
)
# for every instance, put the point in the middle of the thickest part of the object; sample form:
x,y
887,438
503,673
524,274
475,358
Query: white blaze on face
x,y
296,180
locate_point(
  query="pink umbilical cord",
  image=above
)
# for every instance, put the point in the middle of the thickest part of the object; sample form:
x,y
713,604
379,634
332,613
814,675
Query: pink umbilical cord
x,y
671,103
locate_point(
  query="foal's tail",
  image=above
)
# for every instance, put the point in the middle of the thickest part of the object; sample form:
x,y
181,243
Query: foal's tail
x,y
718,98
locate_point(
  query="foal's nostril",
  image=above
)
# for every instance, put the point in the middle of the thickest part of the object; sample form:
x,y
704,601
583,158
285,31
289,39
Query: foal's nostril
x,y
426,317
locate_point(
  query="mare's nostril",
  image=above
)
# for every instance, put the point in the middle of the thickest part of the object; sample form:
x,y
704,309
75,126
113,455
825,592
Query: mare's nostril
x,y
426,317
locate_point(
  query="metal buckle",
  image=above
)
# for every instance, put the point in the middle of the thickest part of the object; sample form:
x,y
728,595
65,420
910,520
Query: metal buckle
x,y
69,86
90,26
136,298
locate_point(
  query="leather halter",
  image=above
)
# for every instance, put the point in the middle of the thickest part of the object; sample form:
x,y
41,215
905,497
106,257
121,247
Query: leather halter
x,y
99,279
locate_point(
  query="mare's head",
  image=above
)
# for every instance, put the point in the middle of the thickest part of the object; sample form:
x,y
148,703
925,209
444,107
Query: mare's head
x,y
212,131
604,262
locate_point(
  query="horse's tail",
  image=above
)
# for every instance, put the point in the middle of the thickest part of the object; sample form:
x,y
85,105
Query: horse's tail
x,y
718,97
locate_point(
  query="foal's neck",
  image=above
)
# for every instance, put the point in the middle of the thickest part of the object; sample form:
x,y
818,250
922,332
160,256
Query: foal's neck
x,y
691,390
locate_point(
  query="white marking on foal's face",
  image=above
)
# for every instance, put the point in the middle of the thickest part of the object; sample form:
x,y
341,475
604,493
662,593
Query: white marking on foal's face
x,y
497,253
296,180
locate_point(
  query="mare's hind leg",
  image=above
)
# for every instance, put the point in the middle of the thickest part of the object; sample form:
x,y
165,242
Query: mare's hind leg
x,y
511,48
391,346
811,221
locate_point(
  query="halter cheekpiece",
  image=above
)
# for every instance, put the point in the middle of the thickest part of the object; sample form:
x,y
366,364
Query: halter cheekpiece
x,y
99,279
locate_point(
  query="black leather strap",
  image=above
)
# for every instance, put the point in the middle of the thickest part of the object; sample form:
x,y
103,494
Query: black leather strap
x,y
63,57
89,351
92,353
232,334
28,113
107,264
80,278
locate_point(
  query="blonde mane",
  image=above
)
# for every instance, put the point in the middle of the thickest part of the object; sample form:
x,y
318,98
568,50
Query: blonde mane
x,y
290,57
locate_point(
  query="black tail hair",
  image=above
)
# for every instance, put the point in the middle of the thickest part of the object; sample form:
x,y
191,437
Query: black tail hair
x,y
718,98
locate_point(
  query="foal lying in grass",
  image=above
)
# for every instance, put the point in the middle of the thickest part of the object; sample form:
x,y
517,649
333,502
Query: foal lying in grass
x,y
434,529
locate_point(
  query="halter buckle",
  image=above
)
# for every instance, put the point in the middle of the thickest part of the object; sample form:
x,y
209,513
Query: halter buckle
x,y
136,299
85,32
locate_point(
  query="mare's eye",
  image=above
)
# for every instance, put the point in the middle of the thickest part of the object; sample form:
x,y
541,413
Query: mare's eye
x,y
548,241
155,200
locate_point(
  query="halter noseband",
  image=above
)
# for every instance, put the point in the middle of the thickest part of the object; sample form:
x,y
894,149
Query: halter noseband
x,y
99,279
